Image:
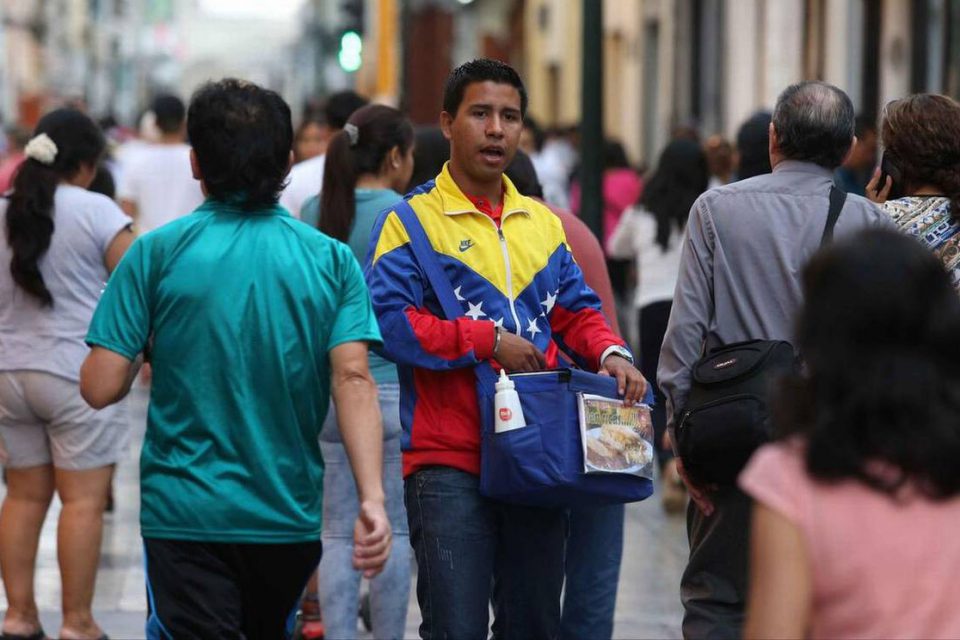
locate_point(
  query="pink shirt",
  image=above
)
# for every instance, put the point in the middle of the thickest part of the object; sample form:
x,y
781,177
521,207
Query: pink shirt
x,y
8,169
622,188
882,568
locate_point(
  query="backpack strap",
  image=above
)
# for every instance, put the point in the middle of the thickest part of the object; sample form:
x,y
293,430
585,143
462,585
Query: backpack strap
x,y
427,259
837,198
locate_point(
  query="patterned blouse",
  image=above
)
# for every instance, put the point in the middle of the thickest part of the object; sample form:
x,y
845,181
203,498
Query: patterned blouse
x,y
928,219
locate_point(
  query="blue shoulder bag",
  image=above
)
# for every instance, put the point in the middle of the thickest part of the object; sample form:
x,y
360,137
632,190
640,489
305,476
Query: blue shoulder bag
x,y
542,463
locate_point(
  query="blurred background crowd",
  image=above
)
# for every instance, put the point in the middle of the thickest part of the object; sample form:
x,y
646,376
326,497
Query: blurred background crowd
x,y
700,67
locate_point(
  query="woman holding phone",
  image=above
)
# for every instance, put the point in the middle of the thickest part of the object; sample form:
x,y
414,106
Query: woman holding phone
x,y
918,182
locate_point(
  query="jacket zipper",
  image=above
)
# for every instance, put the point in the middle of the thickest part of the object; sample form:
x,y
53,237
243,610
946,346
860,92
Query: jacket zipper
x,y
506,262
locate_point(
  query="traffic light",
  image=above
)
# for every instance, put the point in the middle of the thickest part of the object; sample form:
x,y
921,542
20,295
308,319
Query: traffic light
x,y
351,51
350,55
353,13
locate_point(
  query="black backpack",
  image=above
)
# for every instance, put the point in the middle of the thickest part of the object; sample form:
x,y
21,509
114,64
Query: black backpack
x,y
727,416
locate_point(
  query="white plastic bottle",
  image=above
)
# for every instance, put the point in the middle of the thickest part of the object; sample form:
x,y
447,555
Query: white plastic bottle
x,y
508,414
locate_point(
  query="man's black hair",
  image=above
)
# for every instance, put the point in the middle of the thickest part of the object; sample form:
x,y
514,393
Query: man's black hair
x,y
481,70
242,136
340,106
814,123
170,112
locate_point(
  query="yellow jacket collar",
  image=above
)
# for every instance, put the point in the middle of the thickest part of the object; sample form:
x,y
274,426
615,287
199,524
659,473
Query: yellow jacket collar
x,y
455,202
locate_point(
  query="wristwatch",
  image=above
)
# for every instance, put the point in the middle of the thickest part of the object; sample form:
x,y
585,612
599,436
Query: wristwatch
x,y
616,350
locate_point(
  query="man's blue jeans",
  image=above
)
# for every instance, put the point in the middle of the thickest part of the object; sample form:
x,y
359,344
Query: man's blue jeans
x,y
594,550
471,549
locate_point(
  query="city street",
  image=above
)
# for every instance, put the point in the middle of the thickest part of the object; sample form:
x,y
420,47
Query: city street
x,y
647,606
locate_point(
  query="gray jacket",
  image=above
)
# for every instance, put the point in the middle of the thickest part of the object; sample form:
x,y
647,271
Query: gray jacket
x,y
745,249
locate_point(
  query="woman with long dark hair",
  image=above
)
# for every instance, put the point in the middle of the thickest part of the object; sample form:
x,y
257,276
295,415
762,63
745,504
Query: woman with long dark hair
x,y
62,242
622,188
368,164
857,504
653,234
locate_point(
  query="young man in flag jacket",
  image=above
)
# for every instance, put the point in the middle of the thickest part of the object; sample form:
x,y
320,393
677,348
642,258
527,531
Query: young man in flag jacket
x,y
524,300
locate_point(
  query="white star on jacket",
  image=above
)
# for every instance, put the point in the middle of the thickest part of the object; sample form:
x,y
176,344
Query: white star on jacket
x,y
498,322
550,302
532,328
476,311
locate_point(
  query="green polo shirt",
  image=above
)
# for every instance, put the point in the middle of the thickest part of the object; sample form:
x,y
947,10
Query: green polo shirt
x,y
242,309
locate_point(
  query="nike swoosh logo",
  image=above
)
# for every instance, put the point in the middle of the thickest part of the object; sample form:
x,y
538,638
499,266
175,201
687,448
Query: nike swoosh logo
x,y
465,244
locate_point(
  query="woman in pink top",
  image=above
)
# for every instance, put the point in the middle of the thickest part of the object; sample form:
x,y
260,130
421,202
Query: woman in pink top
x,y
622,188
857,507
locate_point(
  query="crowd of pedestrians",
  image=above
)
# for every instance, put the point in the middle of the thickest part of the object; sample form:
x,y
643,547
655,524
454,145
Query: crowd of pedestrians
x,y
314,413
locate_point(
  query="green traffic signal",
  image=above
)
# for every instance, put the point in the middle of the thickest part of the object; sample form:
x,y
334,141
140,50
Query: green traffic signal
x,y
351,50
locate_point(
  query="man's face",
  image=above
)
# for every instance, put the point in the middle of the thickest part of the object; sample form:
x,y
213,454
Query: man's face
x,y
485,131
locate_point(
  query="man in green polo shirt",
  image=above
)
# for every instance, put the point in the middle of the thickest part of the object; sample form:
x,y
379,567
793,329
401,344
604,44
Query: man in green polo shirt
x,y
254,319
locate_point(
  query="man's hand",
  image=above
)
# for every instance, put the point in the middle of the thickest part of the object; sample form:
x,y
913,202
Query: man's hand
x,y
372,538
630,383
697,493
517,354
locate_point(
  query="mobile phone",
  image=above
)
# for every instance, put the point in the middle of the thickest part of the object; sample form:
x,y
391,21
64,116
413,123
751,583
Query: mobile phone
x,y
888,168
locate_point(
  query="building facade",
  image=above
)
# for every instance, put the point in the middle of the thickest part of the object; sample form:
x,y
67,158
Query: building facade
x,y
709,64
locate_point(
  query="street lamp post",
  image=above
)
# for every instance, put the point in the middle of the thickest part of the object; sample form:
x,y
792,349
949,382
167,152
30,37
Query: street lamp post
x,y
591,127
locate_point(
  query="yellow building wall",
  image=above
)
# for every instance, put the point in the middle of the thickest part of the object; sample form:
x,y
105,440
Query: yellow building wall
x,y
552,54
553,35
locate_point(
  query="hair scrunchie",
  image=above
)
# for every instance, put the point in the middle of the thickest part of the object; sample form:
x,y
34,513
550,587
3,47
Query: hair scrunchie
x,y
42,149
353,133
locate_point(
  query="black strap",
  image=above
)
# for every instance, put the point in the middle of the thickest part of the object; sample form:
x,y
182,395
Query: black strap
x,y
837,198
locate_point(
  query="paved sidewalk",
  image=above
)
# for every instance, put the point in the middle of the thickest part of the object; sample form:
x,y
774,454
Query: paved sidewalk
x,y
648,603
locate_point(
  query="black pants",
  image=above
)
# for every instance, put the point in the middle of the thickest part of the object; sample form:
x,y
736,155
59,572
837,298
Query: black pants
x,y
653,326
713,588
619,272
224,590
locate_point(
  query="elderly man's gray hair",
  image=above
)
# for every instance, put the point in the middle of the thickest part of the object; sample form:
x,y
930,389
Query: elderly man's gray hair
x,y
814,123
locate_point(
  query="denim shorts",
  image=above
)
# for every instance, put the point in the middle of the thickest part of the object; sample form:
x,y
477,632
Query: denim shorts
x,y
44,420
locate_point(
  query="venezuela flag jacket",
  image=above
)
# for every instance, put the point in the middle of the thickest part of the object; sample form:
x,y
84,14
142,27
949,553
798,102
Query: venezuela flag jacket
x,y
520,276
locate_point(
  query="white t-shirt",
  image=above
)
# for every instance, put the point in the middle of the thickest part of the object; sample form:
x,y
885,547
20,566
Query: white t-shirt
x,y
51,339
158,179
306,178
657,270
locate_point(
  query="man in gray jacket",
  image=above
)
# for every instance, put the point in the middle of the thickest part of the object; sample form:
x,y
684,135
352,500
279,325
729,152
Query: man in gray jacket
x,y
740,280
